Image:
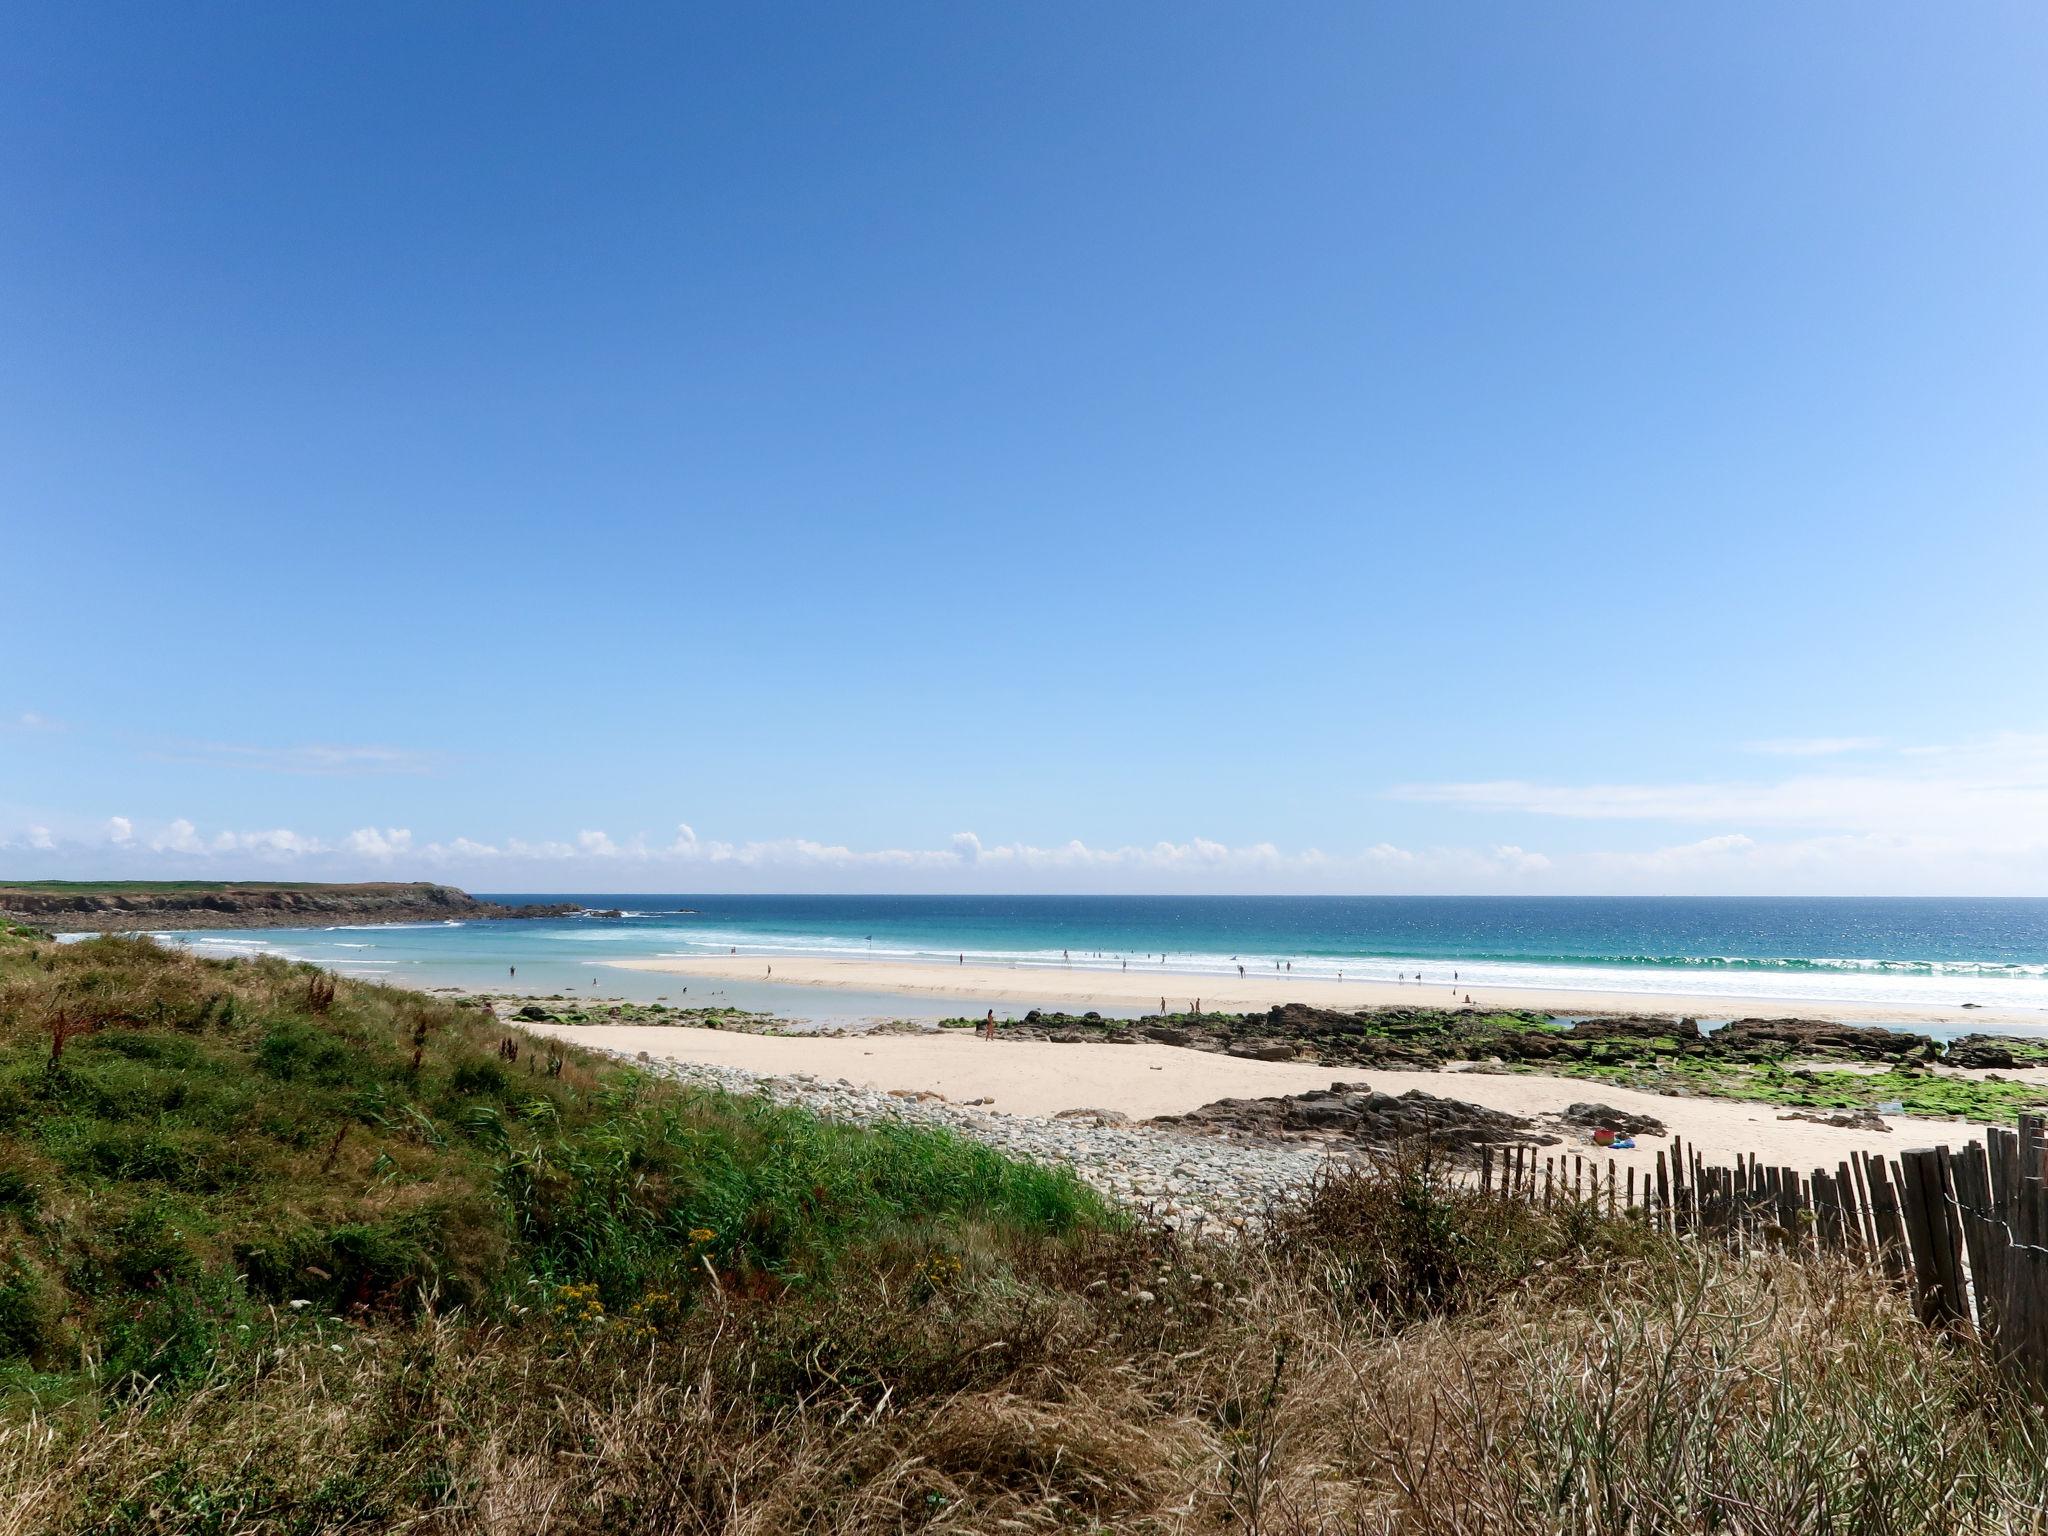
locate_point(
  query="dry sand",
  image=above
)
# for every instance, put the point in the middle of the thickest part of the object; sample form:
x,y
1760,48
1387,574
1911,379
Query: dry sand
x,y
1079,989
1030,1077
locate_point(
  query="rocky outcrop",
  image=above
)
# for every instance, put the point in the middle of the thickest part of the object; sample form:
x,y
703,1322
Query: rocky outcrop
x,y
1685,1033
1426,1038
99,908
1816,1039
1264,1050
1354,1112
1622,1122
1996,1052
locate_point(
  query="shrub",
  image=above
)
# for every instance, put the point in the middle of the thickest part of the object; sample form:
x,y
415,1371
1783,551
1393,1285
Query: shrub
x,y
30,1309
171,1337
1404,1236
292,1051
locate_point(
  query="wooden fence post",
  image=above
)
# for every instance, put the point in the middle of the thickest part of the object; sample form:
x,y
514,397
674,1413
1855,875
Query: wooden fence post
x,y
1930,1234
1884,1215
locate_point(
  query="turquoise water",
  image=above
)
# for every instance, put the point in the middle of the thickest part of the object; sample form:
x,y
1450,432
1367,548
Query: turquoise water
x,y
1911,953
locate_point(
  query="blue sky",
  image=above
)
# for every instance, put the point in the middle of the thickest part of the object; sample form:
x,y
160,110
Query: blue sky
x,y
1580,447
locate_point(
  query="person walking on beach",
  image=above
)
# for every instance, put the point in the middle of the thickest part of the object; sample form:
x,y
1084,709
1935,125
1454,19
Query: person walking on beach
x,y
1240,973
988,1026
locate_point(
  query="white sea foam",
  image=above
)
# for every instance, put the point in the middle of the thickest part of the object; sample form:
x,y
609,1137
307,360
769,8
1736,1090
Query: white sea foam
x,y
384,927
1899,983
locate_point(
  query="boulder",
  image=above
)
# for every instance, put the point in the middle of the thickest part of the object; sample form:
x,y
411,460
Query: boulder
x,y
1263,1050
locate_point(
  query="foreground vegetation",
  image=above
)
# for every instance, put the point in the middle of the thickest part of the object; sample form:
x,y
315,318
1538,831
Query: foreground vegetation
x,y
185,1143
538,1293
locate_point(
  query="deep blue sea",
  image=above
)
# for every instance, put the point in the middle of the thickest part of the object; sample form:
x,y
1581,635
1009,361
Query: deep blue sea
x,y
1908,952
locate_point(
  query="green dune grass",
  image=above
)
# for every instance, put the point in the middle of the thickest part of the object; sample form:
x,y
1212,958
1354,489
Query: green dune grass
x,y
183,1140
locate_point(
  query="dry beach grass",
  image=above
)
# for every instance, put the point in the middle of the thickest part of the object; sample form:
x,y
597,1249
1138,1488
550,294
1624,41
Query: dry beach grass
x,y
1279,1392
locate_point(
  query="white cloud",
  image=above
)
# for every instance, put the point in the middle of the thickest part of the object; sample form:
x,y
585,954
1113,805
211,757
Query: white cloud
x,y
181,836
1682,859
597,858
1960,817
279,842
1992,793
29,720
371,843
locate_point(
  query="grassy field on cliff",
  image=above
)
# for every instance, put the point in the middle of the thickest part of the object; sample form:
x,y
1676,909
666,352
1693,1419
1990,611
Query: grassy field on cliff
x,y
183,887
280,1254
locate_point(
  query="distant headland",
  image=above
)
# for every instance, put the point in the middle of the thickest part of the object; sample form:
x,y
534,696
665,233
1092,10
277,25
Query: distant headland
x,y
114,906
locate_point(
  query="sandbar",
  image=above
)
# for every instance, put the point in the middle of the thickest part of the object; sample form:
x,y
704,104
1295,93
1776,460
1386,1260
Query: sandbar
x,y
1081,988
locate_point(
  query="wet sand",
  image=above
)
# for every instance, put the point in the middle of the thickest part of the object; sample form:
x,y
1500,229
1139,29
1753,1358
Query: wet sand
x,y
1078,989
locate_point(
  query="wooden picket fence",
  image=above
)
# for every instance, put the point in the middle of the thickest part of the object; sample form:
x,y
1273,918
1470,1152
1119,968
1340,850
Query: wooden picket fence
x,y
1965,1232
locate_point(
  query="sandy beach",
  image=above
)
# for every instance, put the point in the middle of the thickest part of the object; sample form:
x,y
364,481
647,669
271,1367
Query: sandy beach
x,y
1079,989
1041,1078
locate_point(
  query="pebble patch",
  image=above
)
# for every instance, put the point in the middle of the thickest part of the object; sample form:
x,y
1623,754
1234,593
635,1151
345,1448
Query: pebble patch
x,y
1182,1181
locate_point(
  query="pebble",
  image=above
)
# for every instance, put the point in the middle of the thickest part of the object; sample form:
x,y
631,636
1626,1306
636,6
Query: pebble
x,y
1179,1180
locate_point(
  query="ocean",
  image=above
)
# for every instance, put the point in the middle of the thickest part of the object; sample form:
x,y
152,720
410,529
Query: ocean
x,y
1908,952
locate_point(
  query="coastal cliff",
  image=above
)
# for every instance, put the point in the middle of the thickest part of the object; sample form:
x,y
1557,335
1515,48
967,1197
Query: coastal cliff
x,y
63,906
